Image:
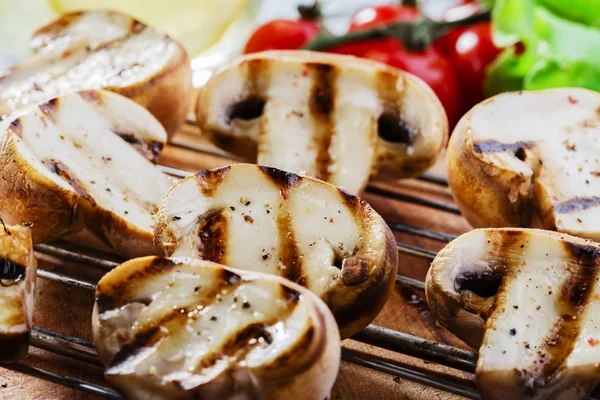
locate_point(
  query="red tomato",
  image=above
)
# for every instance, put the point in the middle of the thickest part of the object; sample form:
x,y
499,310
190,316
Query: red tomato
x,y
381,15
429,65
473,51
282,34
462,9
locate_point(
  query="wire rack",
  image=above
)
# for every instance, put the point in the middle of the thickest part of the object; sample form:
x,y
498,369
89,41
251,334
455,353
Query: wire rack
x,y
424,349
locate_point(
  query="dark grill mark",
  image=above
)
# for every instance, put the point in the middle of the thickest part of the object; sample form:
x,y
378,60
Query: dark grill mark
x,y
321,104
291,296
493,146
350,200
237,345
10,272
482,283
250,108
322,96
91,96
49,107
212,235
209,180
60,169
115,294
230,277
16,127
288,252
149,150
282,179
577,289
146,339
137,26
391,128
355,271
576,204
159,264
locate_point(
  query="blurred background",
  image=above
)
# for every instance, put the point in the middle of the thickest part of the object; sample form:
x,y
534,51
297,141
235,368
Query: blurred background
x,y
515,45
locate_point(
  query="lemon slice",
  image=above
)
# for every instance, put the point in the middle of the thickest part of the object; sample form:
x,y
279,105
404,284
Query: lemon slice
x,y
196,24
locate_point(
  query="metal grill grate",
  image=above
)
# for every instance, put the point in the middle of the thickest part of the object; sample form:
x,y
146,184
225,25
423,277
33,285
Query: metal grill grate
x,y
381,337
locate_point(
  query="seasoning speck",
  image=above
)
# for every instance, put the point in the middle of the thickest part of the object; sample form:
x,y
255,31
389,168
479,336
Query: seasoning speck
x,y
248,218
213,318
513,332
175,218
245,304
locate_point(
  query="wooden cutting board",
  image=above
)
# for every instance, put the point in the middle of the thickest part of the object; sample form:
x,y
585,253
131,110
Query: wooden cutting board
x,y
68,310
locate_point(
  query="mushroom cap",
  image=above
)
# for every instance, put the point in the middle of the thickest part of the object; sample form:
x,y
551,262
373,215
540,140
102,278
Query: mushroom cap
x,y
306,230
186,329
339,118
529,300
80,160
18,270
102,50
530,159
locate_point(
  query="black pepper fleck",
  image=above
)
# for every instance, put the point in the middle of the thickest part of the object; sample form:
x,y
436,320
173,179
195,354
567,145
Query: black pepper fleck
x,y
175,218
245,304
513,332
213,318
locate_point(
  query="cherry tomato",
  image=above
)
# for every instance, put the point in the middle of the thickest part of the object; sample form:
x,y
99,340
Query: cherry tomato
x,y
381,15
282,34
429,65
462,9
473,51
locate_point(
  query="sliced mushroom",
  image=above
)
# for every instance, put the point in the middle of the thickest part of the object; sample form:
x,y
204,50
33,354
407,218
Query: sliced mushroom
x,y
338,118
530,159
189,329
66,161
102,50
306,230
18,269
529,300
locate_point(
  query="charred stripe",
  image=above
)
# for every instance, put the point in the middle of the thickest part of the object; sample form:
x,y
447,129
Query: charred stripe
x,y
280,178
212,238
288,252
493,146
59,168
208,181
322,104
576,204
131,349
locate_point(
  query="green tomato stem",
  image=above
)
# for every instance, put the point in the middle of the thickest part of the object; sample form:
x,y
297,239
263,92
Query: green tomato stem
x,y
415,35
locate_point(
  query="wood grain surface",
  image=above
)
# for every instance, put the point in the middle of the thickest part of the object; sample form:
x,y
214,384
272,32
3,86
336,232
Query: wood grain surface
x,y
68,310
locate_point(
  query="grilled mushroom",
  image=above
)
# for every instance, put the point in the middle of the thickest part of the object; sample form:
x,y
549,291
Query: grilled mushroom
x,y
17,287
102,50
189,329
529,300
303,229
530,159
68,161
339,118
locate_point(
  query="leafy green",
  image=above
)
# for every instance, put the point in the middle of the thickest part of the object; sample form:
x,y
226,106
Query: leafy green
x,y
561,41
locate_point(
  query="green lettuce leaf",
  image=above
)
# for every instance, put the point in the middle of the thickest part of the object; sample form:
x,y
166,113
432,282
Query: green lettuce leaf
x,y
561,40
